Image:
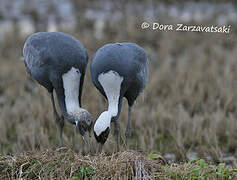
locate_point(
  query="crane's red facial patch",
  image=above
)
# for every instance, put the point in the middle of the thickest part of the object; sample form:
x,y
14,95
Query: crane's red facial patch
x,y
103,136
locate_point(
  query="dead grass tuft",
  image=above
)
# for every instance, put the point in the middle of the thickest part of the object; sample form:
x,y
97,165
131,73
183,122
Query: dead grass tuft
x,y
63,163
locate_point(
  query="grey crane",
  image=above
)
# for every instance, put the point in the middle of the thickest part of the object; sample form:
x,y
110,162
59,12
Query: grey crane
x,y
58,61
118,70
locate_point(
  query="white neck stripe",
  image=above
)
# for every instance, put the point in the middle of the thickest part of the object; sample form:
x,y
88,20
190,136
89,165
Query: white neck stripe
x,y
102,123
111,83
71,83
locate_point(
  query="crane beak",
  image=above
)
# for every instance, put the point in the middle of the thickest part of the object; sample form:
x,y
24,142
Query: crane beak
x,y
77,129
86,140
83,138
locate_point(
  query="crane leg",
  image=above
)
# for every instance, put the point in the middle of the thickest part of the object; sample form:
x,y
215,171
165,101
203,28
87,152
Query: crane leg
x,y
128,132
117,133
59,121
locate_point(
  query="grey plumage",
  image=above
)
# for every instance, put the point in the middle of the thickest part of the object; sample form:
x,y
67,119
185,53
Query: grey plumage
x,y
47,56
129,61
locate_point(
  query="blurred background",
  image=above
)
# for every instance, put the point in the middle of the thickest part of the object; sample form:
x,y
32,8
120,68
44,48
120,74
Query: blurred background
x,y
188,109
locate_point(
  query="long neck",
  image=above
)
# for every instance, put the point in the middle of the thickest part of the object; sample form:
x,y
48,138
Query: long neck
x,y
68,95
71,84
62,105
115,108
111,82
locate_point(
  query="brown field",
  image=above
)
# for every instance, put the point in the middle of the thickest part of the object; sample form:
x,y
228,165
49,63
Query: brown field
x,y
188,106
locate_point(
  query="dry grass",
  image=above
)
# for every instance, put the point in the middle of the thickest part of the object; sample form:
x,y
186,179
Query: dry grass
x,y
63,163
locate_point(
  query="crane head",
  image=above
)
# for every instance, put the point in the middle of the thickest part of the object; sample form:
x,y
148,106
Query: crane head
x,y
84,122
102,127
103,136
